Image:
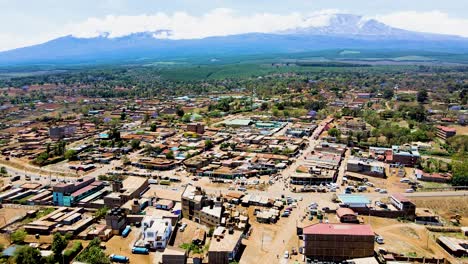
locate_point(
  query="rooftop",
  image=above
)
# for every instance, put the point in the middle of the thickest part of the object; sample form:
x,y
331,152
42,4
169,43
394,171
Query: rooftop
x,y
353,199
339,229
226,243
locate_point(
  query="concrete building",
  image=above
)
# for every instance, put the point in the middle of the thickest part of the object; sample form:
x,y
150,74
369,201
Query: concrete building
x,y
337,242
60,132
174,255
403,204
193,200
156,232
196,128
130,188
366,166
69,194
444,132
224,246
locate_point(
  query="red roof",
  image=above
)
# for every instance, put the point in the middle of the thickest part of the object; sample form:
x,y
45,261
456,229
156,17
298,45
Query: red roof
x,y
400,197
339,229
342,211
446,129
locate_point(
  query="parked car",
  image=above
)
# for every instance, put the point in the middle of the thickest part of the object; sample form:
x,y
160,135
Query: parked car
x,y
383,191
286,254
326,209
380,204
404,180
182,227
409,191
370,184
285,214
379,240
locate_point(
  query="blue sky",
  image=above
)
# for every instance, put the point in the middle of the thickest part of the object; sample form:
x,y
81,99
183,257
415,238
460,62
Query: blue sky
x,y
27,22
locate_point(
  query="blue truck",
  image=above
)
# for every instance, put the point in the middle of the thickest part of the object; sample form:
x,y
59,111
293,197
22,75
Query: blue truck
x,y
118,258
126,231
140,250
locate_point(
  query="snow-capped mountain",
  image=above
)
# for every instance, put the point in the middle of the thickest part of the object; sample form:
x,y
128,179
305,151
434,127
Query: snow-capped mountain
x,y
338,31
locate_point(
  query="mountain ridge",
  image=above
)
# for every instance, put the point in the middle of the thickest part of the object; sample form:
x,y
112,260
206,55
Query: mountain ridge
x,y
343,31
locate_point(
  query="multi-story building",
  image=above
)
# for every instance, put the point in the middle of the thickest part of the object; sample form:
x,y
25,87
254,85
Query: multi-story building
x,y
193,200
156,232
365,166
60,132
196,128
71,193
224,246
444,132
337,242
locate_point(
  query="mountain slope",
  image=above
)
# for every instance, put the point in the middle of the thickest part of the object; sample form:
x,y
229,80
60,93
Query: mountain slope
x,y
341,32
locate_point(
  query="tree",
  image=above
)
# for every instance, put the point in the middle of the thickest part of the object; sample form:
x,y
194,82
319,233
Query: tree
x,y
460,173
70,154
135,144
153,127
146,118
28,255
170,155
208,144
3,171
101,212
58,245
388,93
180,112
93,254
421,96
334,132
123,115
18,236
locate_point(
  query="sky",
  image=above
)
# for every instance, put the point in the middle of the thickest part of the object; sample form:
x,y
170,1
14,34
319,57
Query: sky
x,y
29,22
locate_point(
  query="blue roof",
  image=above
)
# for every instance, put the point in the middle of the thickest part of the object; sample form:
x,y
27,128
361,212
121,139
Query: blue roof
x,y
10,251
353,199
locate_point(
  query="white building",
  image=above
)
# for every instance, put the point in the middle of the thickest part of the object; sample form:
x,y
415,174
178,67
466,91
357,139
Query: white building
x,y
156,231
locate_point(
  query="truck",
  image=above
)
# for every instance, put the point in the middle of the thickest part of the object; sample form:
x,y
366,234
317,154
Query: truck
x,y
118,258
15,178
140,250
126,231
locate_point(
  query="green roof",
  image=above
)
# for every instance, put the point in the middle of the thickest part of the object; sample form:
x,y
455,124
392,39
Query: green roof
x,y
353,199
238,122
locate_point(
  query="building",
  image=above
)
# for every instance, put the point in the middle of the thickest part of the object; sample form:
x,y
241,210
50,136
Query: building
x,y
337,242
354,201
224,246
196,128
455,246
403,204
116,220
174,255
156,232
407,157
366,166
130,188
71,193
193,200
444,132
346,215
60,132
432,177
211,215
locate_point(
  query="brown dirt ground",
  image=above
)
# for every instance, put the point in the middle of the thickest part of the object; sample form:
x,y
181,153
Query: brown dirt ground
x,y
123,246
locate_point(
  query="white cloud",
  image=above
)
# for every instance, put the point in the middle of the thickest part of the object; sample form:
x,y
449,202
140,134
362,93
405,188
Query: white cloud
x,y
432,22
221,22
218,22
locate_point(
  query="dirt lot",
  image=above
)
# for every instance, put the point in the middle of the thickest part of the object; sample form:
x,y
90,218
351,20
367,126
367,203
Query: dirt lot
x,y
406,238
446,206
123,246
